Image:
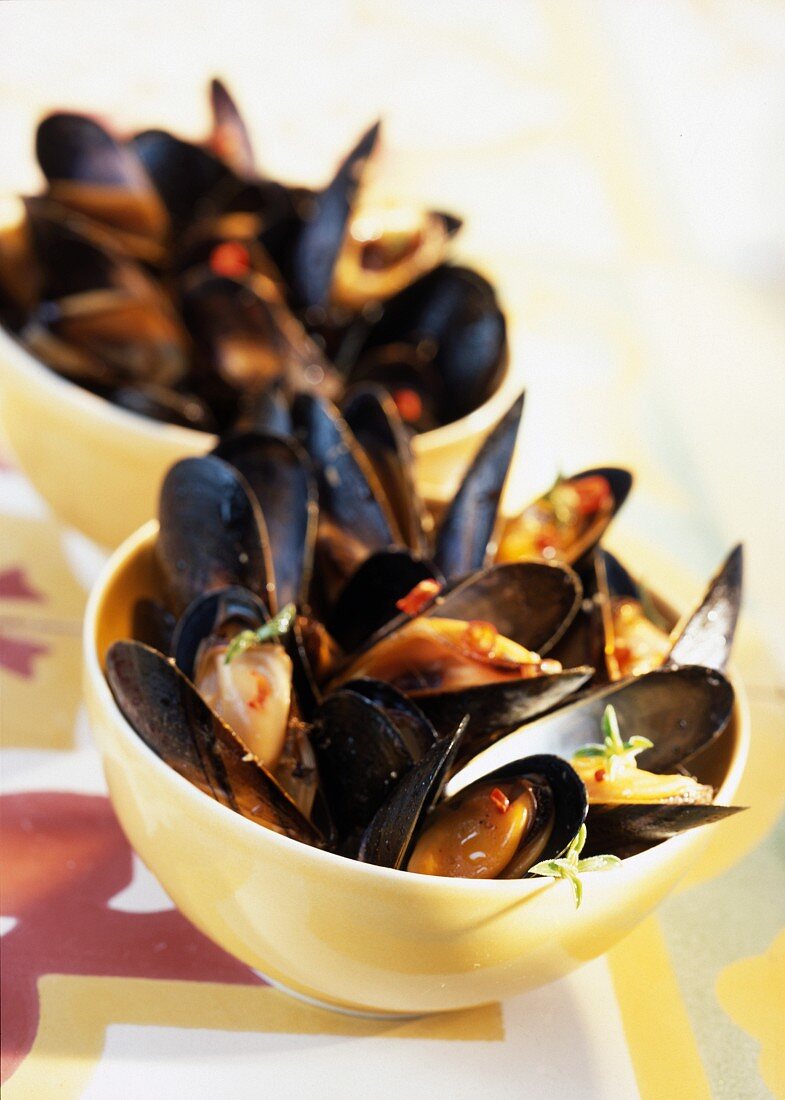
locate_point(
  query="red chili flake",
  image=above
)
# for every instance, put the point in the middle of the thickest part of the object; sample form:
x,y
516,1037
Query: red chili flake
x,y
409,405
500,800
421,595
599,775
263,690
480,637
230,259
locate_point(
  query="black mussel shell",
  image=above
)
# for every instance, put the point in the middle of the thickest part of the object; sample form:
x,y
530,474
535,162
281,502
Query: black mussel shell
x,y
618,580
465,540
583,643
75,147
681,710
414,727
229,138
187,177
306,689
211,533
319,241
620,482
354,520
170,716
530,602
214,614
280,476
624,829
452,317
265,411
564,797
497,709
361,755
369,598
376,423
388,839
706,636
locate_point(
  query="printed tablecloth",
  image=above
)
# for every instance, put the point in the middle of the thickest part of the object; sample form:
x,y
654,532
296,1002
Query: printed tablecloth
x,y
622,178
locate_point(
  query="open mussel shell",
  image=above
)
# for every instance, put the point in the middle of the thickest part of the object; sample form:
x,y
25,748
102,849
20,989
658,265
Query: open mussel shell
x,y
376,423
498,708
170,716
530,602
369,598
561,805
211,533
465,540
682,711
388,838
620,482
354,518
705,636
624,829
88,170
362,755
280,476
319,240
452,318
219,614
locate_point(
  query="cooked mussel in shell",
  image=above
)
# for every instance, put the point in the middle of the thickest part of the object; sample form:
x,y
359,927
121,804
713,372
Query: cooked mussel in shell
x,y
234,284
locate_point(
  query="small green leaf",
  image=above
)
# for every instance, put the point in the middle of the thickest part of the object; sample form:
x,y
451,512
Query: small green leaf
x,y
570,867
614,753
598,863
279,625
588,752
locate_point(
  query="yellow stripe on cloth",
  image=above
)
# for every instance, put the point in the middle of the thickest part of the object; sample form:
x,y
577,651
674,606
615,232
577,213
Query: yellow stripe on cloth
x,y
659,1035
76,1011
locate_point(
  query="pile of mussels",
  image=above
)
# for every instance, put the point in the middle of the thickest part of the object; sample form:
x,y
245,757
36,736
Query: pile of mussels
x,y
327,657
178,282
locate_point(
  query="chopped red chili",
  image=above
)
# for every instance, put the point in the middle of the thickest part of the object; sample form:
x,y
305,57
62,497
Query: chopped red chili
x,y
500,800
419,597
230,259
409,405
599,775
263,690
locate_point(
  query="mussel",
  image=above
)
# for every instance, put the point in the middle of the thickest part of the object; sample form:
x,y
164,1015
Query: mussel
x,y
174,279
495,827
174,721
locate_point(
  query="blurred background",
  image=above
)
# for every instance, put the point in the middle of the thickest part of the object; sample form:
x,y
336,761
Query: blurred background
x,y
621,172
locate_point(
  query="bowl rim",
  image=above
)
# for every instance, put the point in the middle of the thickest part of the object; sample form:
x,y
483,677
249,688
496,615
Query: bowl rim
x,y
508,890
16,357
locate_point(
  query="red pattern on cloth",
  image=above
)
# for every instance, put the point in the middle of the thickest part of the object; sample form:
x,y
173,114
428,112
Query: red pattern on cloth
x,y
64,858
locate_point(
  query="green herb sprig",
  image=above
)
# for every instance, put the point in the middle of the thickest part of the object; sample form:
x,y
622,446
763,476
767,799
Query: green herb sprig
x,y
571,867
279,625
613,753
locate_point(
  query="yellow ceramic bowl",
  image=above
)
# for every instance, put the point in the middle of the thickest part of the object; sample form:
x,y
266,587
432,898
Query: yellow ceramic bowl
x,y
101,467
343,933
